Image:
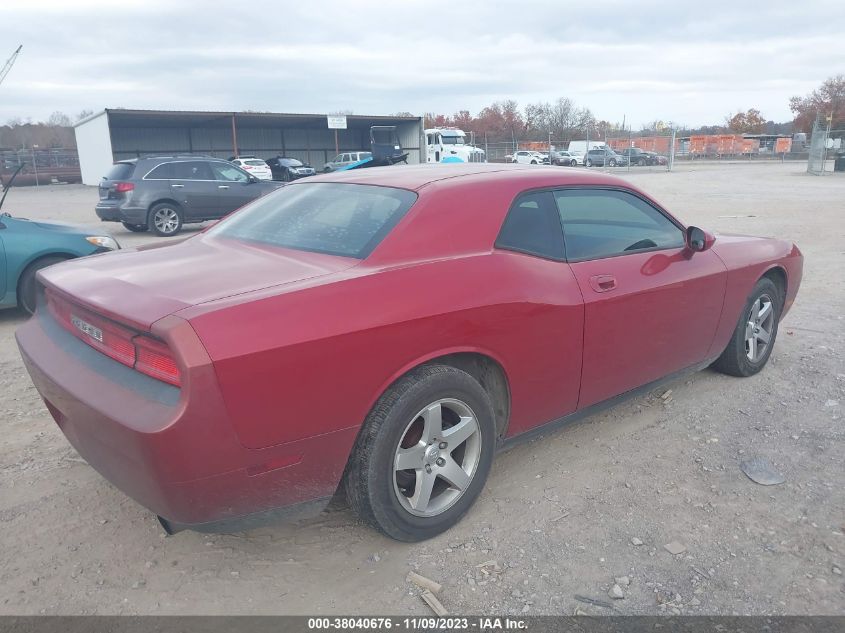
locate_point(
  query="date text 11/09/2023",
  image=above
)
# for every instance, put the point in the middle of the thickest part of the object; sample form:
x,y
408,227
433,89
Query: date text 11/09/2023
x,y
418,624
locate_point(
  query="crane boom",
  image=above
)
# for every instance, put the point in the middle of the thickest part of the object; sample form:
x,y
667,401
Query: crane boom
x,y
9,63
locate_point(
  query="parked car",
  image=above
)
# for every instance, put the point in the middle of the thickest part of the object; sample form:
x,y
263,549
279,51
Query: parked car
x,y
254,166
636,156
288,169
295,348
27,246
658,159
347,158
163,193
605,157
526,157
567,159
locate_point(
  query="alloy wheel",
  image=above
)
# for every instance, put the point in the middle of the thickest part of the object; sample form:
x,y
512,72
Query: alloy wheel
x,y
166,220
759,328
437,457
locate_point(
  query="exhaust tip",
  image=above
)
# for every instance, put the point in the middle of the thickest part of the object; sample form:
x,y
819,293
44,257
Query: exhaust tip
x,y
169,528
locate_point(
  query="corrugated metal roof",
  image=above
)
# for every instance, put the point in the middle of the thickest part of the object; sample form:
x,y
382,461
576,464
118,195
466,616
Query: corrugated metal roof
x,y
140,118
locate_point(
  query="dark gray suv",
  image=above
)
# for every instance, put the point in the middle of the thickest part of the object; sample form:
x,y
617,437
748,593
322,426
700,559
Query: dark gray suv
x,y
164,192
604,157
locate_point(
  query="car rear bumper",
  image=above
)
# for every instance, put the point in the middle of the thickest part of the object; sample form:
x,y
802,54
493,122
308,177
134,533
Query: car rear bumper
x,y
107,212
112,212
175,455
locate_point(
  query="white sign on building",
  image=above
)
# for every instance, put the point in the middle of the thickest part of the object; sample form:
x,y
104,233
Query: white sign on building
x,y
337,122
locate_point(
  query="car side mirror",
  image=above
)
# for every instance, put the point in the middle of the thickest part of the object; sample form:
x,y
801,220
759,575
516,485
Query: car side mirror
x,y
698,239
253,179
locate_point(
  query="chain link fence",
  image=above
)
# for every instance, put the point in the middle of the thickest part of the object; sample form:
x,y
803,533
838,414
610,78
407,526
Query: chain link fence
x,y
655,150
827,149
41,166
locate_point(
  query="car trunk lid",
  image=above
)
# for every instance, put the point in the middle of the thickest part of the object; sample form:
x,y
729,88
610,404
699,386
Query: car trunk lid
x,y
140,286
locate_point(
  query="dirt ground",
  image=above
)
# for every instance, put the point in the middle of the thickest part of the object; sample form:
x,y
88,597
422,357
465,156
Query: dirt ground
x,y
563,515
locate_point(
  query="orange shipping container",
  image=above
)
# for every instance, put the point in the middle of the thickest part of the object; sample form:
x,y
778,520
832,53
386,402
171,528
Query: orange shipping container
x,y
783,145
698,144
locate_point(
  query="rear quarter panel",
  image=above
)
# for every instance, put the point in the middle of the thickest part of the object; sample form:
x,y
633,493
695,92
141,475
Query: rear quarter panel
x,y
316,361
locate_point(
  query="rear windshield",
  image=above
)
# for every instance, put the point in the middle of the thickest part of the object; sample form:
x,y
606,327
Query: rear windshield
x,y
337,219
120,171
255,163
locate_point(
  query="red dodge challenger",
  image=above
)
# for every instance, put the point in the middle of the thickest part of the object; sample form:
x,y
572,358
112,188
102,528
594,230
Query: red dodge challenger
x,y
387,331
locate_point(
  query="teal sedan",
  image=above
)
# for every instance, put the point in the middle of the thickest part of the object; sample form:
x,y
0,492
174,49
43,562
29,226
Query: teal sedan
x,y
27,246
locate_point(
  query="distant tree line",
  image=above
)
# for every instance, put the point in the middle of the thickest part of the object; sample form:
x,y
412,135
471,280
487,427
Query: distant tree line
x,y
55,132
506,121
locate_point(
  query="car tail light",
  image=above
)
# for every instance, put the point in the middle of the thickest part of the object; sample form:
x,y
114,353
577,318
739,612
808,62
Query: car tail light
x,y
154,359
143,353
123,187
106,336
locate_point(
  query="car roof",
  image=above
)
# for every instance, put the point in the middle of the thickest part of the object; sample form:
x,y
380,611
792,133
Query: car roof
x,y
415,177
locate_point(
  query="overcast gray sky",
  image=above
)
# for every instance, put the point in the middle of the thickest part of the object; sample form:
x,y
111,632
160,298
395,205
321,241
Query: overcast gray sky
x,y
689,62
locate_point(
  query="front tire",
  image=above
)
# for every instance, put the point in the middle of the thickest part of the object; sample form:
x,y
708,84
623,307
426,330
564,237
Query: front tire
x,y
165,219
612,162
754,336
423,454
27,285
573,163
589,162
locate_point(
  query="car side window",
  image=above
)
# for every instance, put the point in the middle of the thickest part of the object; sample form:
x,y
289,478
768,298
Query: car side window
x,y
532,226
191,170
229,173
162,172
603,223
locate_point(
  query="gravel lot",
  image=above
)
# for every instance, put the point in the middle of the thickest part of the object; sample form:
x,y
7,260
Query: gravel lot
x,y
563,515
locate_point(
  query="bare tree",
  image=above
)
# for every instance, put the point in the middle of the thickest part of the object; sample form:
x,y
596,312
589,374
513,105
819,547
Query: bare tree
x,y
59,119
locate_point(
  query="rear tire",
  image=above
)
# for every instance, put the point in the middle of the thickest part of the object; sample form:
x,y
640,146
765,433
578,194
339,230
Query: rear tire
x,y
135,228
589,162
573,163
27,285
165,219
412,424
612,162
754,336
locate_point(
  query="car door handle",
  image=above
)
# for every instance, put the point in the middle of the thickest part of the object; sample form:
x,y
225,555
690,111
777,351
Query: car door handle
x,y
602,283
222,186
177,186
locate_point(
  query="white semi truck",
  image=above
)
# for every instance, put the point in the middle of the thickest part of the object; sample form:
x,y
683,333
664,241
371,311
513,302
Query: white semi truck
x,y
448,145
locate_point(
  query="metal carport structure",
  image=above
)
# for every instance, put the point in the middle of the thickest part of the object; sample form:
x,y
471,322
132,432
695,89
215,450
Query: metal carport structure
x,y
115,134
